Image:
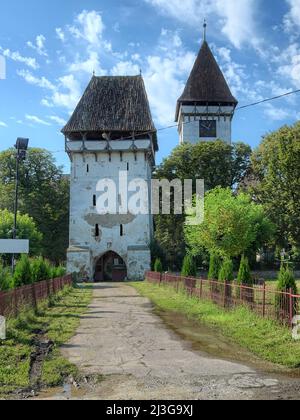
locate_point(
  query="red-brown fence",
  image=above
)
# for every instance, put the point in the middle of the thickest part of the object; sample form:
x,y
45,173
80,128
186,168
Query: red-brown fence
x,y
13,301
263,300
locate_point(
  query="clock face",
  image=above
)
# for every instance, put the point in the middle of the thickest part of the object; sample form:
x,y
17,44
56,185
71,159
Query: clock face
x,y
208,128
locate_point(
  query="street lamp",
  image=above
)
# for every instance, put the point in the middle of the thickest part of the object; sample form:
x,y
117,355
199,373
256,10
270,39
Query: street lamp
x,y
21,147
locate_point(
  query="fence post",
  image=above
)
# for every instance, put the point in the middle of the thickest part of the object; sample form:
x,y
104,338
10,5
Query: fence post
x,y
264,299
201,288
15,301
291,307
225,292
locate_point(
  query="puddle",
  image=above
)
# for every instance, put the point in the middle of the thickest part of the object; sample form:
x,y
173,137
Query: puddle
x,y
212,343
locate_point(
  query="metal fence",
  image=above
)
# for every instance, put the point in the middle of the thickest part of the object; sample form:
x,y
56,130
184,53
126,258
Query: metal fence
x,y
263,300
13,301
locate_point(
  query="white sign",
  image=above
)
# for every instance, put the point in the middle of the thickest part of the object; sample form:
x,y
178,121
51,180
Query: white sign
x,y
14,246
296,327
2,328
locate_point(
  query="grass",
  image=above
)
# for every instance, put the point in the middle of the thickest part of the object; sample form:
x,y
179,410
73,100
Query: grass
x,y
58,320
273,284
262,337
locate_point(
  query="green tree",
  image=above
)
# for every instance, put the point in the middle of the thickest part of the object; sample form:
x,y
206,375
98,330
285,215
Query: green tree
x,y
23,272
276,170
43,195
6,282
214,267
26,229
40,269
233,224
226,271
218,163
244,275
286,282
189,267
158,268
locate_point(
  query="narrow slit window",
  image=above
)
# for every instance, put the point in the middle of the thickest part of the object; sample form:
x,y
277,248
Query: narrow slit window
x,y
94,200
127,166
87,168
121,230
97,232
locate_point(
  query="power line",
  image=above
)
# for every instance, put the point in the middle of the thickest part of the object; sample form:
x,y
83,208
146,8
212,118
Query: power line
x,y
293,92
168,127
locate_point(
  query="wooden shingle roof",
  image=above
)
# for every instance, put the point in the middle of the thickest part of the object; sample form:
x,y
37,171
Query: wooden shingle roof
x,y
206,84
112,104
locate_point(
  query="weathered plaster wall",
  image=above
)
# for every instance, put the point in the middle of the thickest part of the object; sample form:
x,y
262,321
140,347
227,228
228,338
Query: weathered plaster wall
x,y
189,126
86,170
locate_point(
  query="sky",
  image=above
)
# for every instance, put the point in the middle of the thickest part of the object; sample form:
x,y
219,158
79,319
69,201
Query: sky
x,y
51,50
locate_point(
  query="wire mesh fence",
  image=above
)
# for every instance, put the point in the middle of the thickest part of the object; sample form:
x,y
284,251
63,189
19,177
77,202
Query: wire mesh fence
x,y
263,300
13,301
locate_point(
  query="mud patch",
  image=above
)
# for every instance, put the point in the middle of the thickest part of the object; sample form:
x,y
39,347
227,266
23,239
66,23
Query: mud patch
x,y
43,347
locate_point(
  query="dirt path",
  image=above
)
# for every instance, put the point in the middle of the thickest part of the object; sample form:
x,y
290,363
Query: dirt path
x,y
122,339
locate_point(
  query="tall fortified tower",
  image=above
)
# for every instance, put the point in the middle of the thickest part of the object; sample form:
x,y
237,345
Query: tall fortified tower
x,y
206,107
111,130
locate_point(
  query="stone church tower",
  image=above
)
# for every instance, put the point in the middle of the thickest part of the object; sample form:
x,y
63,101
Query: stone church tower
x,y
111,130
206,107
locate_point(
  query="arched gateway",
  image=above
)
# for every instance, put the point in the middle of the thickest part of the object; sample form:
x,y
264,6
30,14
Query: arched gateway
x,y
110,267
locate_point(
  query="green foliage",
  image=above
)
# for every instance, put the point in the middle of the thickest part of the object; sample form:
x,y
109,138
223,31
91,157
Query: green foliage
x,y
157,253
5,278
219,163
189,267
23,272
286,280
233,224
214,267
226,271
276,171
244,275
59,271
26,229
158,268
41,270
43,195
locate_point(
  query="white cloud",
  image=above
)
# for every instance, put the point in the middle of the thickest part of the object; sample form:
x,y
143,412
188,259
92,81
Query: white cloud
x,y
39,45
289,66
88,26
125,68
292,18
41,82
36,120
276,113
68,92
57,120
236,19
92,64
3,124
16,56
60,34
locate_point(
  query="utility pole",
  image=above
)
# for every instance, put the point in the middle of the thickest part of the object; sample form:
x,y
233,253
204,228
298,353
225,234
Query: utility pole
x,y
21,147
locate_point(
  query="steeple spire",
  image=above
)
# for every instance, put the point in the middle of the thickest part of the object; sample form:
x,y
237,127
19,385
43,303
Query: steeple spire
x,y
204,30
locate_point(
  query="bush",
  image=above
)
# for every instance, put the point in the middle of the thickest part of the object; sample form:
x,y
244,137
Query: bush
x,y
6,281
245,279
59,271
158,268
286,281
244,276
214,267
189,268
226,271
41,269
23,273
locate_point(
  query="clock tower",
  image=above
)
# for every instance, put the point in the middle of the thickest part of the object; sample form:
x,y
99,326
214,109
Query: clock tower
x,y
206,107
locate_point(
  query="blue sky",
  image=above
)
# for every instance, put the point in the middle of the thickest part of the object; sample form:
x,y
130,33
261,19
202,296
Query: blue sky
x,y
52,48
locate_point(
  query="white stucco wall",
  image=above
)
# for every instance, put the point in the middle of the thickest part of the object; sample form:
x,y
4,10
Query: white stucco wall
x,y
189,125
85,249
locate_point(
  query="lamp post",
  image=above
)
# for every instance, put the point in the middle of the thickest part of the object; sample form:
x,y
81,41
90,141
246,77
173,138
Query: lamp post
x,y
21,147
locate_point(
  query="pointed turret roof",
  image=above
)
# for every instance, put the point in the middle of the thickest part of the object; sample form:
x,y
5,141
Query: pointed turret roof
x,y
206,84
